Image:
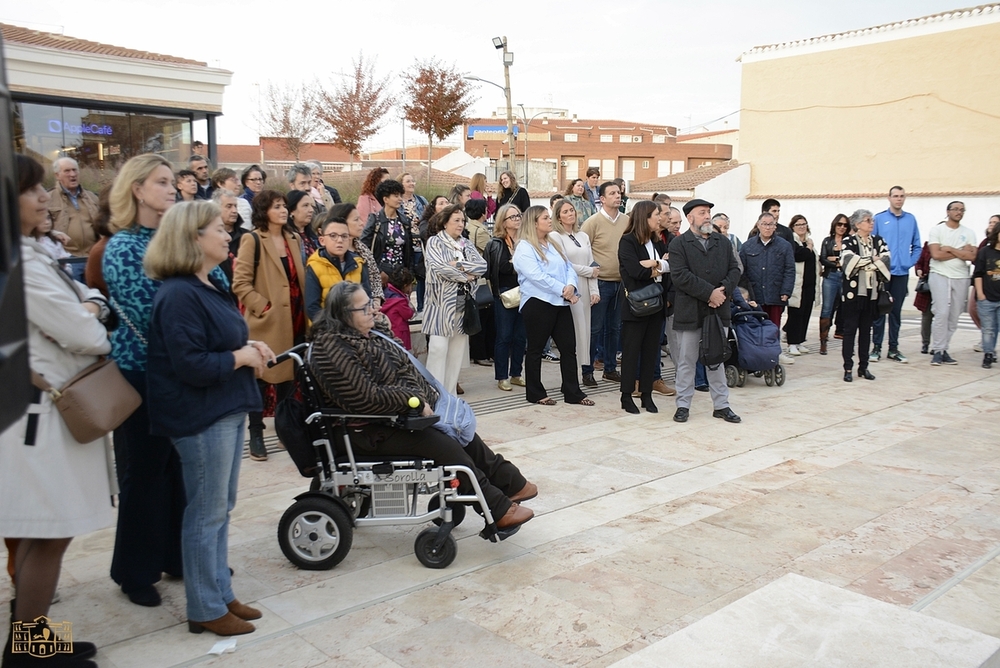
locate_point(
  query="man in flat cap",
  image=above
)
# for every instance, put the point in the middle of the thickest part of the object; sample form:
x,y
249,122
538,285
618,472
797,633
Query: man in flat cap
x,y
704,272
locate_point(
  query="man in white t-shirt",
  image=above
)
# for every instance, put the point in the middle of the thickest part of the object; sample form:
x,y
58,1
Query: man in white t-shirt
x,y
952,247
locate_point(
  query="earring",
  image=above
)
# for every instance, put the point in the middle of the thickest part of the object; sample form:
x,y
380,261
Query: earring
x,y
141,202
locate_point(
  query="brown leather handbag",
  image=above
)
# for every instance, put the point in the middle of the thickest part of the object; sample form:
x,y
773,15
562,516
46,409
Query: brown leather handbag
x,y
93,402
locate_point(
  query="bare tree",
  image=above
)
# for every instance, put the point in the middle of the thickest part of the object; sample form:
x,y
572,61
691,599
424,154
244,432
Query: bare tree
x,y
355,107
288,112
437,99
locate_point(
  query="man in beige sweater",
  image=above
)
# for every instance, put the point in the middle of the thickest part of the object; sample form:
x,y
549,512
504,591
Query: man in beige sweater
x,y
72,208
605,230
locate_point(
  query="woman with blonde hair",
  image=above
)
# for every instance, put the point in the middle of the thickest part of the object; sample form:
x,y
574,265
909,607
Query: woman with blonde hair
x,y
453,266
511,193
548,287
201,387
508,351
576,247
151,501
269,280
480,190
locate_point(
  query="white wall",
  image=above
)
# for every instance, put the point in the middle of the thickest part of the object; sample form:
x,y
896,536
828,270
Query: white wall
x,y
728,192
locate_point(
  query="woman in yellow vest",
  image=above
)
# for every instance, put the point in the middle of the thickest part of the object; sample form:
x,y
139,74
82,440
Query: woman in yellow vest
x,y
332,264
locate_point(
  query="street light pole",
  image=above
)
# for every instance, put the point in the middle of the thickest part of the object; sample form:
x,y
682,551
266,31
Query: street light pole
x,y
527,126
508,60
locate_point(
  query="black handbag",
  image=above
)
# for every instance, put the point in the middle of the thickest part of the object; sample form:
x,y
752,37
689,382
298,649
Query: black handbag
x,y
922,285
714,349
471,324
884,301
645,301
484,296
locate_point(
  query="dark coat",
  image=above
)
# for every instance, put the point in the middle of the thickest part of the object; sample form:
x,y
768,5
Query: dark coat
x,y
634,275
499,266
770,269
377,230
518,198
826,250
696,271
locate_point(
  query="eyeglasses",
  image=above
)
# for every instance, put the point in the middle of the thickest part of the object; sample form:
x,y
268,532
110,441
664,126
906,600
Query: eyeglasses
x,y
335,237
801,225
841,225
367,308
767,225
575,241
957,208
513,216
255,180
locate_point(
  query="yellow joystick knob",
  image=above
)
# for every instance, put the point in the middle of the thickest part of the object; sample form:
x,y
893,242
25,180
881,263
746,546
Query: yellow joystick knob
x,y
413,402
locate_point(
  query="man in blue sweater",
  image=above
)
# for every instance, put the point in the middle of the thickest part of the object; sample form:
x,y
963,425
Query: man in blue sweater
x,y
899,230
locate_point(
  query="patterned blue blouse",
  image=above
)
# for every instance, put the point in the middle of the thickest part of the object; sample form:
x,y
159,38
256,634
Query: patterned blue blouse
x,y
132,293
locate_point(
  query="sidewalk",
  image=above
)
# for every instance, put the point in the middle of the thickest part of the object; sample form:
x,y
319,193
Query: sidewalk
x,y
889,488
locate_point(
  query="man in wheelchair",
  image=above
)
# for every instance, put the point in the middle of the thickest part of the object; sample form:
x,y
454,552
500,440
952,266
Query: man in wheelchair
x,y
360,372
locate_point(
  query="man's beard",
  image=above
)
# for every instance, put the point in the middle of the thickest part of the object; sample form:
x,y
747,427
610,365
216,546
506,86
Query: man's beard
x,y
706,228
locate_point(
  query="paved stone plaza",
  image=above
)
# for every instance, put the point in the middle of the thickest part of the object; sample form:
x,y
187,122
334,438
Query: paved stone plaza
x,y
889,489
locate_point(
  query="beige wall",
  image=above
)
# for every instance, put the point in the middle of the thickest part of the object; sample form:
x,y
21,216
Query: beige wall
x,y
731,138
927,142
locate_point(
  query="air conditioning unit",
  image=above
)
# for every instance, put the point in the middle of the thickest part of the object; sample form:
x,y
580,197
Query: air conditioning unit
x,y
636,139
563,163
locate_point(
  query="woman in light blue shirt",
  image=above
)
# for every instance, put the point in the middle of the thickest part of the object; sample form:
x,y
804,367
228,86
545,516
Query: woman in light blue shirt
x,y
548,288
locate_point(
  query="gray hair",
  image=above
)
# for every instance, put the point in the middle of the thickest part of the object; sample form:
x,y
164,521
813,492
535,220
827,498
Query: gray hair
x,y
763,216
219,193
57,161
337,311
674,208
858,216
299,168
315,165
719,216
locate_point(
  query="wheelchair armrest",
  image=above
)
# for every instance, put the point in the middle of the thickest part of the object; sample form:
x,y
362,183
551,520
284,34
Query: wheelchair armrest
x,y
416,422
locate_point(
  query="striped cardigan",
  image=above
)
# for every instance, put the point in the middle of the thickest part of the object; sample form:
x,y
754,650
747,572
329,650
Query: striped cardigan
x,y
444,306
365,374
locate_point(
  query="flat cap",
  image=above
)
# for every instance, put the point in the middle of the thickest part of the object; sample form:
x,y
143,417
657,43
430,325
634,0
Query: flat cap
x,y
696,203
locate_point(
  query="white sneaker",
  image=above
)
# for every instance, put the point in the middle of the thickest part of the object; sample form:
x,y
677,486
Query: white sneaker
x,y
794,350
978,348
803,349
786,359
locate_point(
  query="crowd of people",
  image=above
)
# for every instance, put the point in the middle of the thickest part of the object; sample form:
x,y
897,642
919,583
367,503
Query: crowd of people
x,y
196,279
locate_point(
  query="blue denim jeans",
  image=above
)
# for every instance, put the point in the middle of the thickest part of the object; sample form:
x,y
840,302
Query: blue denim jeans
x,y
508,353
989,321
211,464
898,289
605,325
832,284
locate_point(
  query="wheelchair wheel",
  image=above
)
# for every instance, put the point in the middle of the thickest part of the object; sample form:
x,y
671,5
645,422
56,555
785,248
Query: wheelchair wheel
x,y
457,510
732,376
428,556
769,377
742,380
779,375
315,534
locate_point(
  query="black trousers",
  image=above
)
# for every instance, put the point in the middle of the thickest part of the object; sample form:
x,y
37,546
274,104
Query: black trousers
x,y
498,478
541,321
641,343
798,322
481,345
150,502
282,390
858,315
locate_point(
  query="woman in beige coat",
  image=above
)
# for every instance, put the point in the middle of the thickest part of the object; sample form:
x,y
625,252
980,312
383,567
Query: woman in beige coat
x,y
269,281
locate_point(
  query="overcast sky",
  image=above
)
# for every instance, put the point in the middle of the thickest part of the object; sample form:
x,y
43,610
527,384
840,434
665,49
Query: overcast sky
x,y
665,62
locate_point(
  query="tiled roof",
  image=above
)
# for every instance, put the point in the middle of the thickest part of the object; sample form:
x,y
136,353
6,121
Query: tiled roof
x,y
932,18
18,35
685,180
442,181
569,123
880,195
701,135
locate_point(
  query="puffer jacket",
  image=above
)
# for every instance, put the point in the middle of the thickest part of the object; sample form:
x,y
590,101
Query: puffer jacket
x,y
769,268
365,374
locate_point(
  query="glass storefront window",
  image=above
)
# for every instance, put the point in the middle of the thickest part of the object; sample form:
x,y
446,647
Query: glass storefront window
x,y
101,141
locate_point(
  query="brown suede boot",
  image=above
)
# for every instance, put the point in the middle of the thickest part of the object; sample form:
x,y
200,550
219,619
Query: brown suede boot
x,y
243,611
824,332
226,625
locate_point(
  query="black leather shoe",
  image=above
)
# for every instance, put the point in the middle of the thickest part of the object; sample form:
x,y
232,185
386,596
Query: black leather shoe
x,y
258,452
589,380
628,405
701,388
146,596
848,377
681,415
612,376
866,374
647,403
728,415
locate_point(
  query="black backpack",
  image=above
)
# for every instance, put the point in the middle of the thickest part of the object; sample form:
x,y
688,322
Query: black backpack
x,y
714,342
290,424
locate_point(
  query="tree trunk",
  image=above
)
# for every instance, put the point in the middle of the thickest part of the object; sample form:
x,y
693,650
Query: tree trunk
x,y
430,157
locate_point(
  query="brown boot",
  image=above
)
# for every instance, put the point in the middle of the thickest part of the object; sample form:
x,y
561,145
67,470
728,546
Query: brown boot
x,y
243,611
226,625
516,515
824,332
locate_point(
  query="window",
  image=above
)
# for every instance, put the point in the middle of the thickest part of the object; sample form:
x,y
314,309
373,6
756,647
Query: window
x,y
569,136
645,164
625,139
676,166
662,168
659,139
628,170
607,170
607,139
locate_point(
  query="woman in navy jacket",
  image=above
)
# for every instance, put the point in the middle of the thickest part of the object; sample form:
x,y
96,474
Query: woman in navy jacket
x,y
640,259
201,387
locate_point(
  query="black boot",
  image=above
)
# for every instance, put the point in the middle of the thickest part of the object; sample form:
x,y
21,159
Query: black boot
x,y
78,659
647,403
628,404
988,360
258,452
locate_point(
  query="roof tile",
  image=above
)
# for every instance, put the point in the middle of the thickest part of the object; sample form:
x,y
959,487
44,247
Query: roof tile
x,y
685,180
18,35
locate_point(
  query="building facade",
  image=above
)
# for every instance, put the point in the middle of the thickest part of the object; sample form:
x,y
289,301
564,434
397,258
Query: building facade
x,y
102,104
